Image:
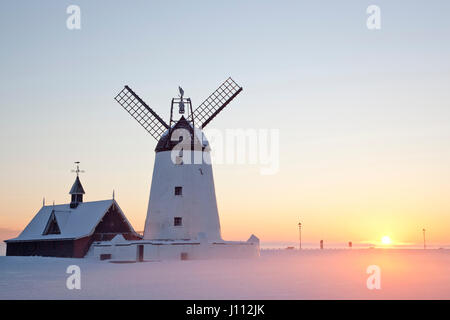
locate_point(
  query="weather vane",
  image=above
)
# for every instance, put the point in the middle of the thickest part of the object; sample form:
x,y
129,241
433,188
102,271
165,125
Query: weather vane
x,y
181,104
77,171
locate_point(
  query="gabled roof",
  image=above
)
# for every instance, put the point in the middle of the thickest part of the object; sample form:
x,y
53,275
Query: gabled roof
x,y
73,223
77,188
52,225
253,239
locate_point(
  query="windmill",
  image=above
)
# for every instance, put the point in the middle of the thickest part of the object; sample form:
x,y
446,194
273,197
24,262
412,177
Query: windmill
x,y
182,203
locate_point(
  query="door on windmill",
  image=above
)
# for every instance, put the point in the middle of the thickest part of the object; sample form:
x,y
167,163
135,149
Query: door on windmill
x,y
140,253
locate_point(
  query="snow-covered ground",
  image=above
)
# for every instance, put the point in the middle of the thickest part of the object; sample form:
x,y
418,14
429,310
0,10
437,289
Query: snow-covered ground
x,y
277,274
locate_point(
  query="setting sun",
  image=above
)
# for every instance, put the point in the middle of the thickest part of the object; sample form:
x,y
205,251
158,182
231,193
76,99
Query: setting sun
x,y
386,240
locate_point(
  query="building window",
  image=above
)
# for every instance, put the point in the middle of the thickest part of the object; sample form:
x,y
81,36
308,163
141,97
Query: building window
x,y
178,191
177,221
52,225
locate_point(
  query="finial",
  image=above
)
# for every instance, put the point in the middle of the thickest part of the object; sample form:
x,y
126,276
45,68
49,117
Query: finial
x,y
43,201
77,171
113,194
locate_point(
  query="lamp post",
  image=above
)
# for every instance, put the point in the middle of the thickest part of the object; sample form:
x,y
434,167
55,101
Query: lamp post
x,y
424,243
300,235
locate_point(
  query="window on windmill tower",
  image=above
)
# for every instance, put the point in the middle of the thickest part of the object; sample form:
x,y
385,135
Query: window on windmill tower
x,y
177,221
178,191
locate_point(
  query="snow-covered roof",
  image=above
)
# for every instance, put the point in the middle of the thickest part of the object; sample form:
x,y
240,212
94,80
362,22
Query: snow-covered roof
x,y
73,223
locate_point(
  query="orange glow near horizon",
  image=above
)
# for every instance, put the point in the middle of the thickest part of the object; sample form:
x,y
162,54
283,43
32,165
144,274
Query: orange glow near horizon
x,y
337,201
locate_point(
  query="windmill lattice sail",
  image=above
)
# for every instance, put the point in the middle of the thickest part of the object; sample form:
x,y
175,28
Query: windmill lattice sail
x,y
215,103
140,111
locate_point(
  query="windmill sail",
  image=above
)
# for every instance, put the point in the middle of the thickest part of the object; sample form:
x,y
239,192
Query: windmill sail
x,y
140,111
215,103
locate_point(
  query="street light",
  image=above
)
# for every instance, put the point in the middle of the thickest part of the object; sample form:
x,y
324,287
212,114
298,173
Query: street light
x,y
300,235
424,243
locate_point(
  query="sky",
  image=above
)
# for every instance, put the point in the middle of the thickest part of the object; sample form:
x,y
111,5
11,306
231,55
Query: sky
x,y
363,115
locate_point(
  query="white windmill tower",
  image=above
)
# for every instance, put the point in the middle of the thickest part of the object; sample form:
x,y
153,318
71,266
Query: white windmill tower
x,y
182,202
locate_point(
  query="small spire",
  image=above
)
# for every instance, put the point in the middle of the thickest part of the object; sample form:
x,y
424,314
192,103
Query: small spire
x,y
77,190
113,194
43,201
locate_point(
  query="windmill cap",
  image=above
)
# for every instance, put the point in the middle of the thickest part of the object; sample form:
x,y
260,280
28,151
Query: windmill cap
x,y
166,143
